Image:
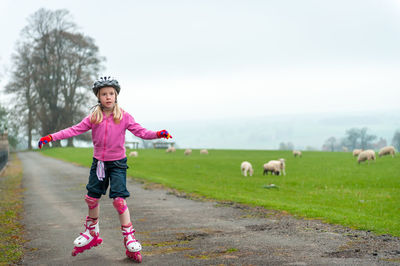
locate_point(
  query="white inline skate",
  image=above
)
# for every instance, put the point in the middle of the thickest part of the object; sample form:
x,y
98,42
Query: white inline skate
x,y
132,246
88,239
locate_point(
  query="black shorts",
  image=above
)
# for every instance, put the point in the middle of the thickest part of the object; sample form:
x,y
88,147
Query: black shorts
x,y
115,177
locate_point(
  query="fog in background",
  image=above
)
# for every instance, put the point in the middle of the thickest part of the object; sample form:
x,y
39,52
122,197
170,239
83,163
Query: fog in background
x,y
241,74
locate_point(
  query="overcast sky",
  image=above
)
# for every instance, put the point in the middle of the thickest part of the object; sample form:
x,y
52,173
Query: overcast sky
x,y
186,60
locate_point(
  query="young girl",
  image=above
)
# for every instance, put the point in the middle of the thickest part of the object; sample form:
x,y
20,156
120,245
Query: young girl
x,y
108,123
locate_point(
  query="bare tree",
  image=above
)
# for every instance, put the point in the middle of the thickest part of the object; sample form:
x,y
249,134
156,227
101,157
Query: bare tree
x,y
366,139
358,138
286,146
396,140
351,139
380,144
78,77
21,86
57,64
3,120
9,125
331,144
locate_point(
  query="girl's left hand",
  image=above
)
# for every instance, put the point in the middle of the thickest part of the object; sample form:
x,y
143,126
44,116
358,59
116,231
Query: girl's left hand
x,y
163,134
44,140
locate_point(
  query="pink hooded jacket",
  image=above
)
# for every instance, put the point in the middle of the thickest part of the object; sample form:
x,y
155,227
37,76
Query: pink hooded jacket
x,y
108,137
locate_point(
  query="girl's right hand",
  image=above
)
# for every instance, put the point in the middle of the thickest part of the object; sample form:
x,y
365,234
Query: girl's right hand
x,y
163,134
44,140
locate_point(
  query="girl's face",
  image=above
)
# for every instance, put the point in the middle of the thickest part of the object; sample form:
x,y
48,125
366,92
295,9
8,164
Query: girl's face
x,y
107,96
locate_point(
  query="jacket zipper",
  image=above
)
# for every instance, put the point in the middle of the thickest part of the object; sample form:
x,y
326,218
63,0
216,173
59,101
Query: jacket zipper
x,y
105,138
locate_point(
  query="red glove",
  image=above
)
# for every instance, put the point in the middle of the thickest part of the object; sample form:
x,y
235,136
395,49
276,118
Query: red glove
x,y
163,134
45,140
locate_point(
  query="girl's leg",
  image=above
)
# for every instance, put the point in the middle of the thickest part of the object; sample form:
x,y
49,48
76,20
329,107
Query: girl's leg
x,y
123,211
125,217
94,213
132,246
90,237
94,207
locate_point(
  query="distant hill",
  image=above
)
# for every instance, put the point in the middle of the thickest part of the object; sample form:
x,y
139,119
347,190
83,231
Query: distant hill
x,y
268,131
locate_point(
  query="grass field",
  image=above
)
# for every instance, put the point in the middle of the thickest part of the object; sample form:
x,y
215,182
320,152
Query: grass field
x,y
11,207
323,185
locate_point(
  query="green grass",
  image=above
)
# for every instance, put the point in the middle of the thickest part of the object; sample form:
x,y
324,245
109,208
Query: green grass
x,y
11,206
328,186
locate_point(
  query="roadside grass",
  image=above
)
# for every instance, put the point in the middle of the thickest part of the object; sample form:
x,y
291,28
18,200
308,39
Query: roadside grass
x,y
11,207
320,185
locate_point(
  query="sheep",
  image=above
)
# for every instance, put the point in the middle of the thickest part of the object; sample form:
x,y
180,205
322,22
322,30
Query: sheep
x,y
386,151
188,152
203,151
246,167
276,167
271,167
297,153
133,154
366,155
283,165
356,152
170,149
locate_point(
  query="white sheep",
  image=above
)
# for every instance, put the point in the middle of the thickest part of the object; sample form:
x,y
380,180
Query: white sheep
x,y
366,155
246,167
170,149
271,167
188,152
387,150
283,165
356,152
276,167
133,154
203,151
296,153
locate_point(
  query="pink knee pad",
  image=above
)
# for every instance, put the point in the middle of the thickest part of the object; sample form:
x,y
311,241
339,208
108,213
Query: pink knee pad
x,y
91,202
120,205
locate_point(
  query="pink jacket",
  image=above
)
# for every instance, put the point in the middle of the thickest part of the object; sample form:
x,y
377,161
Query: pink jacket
x,y
108,137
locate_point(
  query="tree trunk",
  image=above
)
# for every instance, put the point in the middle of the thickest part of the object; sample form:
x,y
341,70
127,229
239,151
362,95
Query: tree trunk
x,y
30,123
56,143
29,139
70,142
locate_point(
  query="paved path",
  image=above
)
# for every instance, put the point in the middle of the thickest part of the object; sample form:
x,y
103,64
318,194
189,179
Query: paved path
x,y
173,230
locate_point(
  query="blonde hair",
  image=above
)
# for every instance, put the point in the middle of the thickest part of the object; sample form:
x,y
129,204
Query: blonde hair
x,y
97,114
